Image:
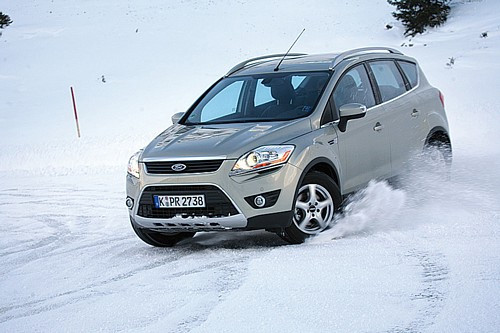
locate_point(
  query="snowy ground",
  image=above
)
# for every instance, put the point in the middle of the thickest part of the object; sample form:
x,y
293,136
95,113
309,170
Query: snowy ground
x,y
423,258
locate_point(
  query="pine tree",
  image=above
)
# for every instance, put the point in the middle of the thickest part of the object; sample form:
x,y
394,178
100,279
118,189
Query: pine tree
x,y
4,20
416,15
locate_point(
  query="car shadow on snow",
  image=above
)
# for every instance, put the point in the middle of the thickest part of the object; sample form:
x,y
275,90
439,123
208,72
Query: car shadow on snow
x,y
231,240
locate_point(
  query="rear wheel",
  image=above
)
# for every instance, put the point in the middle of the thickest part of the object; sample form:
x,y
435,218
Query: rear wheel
x,y
438,156
316,202
159,239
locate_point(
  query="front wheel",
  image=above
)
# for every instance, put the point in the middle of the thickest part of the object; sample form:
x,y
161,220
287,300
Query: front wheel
x,y
158,239
316,202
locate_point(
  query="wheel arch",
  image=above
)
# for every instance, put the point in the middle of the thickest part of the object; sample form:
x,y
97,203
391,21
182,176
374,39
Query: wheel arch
x,y
323,165
438,133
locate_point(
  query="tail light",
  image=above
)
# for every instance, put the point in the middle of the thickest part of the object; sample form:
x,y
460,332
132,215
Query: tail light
x,y
441,97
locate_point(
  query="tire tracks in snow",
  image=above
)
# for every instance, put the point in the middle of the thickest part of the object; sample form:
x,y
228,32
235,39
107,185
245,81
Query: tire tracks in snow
x,y
433,290
66,219
39,306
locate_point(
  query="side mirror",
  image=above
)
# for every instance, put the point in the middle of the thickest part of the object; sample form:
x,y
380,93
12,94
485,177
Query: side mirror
x,y
350,111
176,117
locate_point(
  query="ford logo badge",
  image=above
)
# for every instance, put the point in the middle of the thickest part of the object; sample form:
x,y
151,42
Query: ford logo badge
x,y
179,167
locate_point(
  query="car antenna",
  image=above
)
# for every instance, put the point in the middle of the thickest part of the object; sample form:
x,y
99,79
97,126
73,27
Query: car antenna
x,y
279,63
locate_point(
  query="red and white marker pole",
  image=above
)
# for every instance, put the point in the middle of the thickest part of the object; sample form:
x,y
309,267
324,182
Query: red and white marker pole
x,y
76,114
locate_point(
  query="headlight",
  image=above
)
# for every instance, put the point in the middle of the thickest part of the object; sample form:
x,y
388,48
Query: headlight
x,y
133,165
262,158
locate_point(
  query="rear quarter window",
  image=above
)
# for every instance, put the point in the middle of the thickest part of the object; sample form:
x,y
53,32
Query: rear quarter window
x,y
411,73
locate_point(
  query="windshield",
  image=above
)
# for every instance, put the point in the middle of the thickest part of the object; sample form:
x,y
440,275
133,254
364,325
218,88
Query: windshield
x,y
265,97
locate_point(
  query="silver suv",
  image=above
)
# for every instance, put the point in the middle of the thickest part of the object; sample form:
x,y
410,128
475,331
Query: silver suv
x,y
280,141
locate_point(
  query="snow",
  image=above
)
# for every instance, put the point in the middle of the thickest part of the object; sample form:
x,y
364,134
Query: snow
x,y
421,258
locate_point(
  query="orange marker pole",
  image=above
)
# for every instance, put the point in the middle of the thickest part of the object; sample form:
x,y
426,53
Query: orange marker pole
x,y
76,114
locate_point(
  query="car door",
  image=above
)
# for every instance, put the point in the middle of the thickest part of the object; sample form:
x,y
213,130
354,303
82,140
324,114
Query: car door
x,y
417,125
364,145
401,109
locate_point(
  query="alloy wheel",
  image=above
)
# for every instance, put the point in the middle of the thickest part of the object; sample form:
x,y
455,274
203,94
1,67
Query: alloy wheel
x,y
314,209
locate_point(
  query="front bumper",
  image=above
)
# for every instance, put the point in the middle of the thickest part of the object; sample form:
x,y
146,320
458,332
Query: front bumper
x,y
235,188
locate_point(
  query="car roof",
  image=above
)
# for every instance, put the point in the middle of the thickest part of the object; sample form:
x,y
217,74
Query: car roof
x,y
303,63
296,62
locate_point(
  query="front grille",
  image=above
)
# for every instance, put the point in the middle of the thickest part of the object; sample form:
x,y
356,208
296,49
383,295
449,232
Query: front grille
x,y
217,203
191,166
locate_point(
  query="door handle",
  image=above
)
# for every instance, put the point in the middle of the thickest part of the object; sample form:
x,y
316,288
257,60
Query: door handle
x,y
415,113
378,127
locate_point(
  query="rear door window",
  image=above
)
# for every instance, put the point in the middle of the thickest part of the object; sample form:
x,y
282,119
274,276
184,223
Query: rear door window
x,y
410,70
389,80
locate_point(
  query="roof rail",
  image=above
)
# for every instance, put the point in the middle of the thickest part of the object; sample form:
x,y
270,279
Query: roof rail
x,y
352,53
241,65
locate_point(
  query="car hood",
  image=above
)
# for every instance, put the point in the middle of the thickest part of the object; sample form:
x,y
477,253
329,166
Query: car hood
x,y
180,142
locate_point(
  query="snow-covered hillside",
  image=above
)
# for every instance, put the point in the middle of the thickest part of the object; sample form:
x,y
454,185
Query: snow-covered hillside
x,y
425,258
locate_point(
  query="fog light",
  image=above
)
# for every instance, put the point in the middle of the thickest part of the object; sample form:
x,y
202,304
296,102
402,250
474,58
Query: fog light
x,y
259,201
263,200
129,202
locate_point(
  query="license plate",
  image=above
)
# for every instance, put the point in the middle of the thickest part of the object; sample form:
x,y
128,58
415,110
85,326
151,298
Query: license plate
x,y
179,201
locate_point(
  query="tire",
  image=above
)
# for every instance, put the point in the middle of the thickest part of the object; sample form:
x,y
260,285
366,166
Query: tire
x,y
438,157
158,239
312,216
